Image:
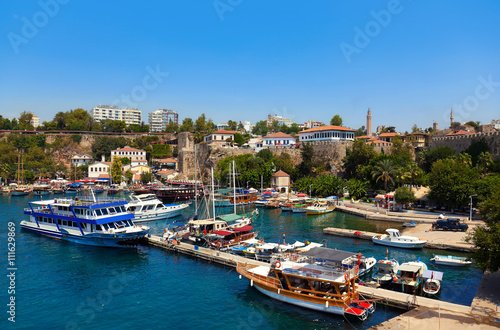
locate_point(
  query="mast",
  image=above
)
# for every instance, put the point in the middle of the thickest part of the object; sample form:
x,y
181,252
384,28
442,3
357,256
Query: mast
x,y
18,166
234,188
22,169
213,192
195,184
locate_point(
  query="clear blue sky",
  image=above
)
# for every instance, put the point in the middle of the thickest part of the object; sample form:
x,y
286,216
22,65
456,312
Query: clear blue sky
x,y
243,60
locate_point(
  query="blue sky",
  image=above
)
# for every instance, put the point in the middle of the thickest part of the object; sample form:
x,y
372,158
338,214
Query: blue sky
x,y
409,61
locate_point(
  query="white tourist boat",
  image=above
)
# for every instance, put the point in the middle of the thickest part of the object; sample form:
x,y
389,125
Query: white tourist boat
x,y
451,260
395,239
89,222
320,207
147,207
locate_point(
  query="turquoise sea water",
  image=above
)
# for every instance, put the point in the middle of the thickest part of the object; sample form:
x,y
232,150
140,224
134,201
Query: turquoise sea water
x,y
65,285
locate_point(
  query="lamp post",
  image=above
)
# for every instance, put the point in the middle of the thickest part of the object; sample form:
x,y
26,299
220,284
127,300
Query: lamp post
x,y
247,184
470,208
310,190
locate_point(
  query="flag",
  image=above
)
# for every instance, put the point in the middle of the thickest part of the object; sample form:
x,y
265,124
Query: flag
x,y
432,275
359,259
205,230
386,251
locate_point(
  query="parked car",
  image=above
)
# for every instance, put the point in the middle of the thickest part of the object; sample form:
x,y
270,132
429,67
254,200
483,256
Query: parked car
x,y
449,224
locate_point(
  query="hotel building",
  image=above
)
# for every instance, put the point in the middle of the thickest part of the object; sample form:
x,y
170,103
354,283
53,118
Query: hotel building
x,y
129,116
327,133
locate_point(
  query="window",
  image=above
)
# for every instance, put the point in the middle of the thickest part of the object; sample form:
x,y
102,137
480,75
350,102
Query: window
x,y
98,212
65,222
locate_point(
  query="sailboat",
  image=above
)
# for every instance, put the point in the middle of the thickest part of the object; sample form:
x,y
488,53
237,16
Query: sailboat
x,y
21,190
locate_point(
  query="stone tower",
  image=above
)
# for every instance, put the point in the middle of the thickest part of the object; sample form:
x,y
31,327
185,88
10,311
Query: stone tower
x,y
369,123
435,127
451,117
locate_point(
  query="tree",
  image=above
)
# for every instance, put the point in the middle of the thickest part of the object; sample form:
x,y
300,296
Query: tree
x,y
415,128
260,128
116,170
336,120
172,127
452,182
428,157
361,154
384,170
233,125
401,149
187,125
129,176
404,195
357,188
305,167
474,124
455,125
125,160
146,177
109,125
484,162
239,139
25,121
360,131
476,148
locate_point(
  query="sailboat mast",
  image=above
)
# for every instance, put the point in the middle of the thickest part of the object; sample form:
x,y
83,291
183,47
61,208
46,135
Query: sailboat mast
x,y
22,169
195,184
213,192
234,187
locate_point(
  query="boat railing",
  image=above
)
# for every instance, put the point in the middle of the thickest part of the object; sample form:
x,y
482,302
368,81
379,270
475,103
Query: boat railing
x,y
270,281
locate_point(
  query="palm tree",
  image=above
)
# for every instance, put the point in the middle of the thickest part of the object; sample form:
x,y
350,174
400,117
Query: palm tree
x,y
465,158
5,171
384,170
414,172
484,162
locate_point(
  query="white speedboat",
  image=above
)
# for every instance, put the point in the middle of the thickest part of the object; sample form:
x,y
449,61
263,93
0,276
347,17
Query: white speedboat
x,y
89,222
394,239
451,260
147,207
385,271
364,264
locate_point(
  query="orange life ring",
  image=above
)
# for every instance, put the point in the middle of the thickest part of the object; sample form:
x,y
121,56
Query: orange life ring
x,y
357,269
346,277
295,257
277,264
165,230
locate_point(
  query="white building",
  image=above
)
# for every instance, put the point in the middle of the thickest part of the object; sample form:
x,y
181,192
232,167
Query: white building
x,y
327,133
77,160
222,126
98,169
281,120
35,121
160,118
278,139
129,116
219,137
136,156
247,126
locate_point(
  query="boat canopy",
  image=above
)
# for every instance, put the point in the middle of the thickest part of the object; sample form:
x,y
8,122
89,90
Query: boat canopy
x,y
222,232
433,274
244,228
409,268
327,254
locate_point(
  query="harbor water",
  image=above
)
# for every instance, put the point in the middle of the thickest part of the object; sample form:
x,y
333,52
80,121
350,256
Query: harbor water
x,y
61,285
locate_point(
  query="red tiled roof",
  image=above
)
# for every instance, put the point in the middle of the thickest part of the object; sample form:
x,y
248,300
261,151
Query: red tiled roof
x,y
379,141
280,173
279,135
389,135
459,132
327,128
363,137
103,176
168,160
223,132
166,171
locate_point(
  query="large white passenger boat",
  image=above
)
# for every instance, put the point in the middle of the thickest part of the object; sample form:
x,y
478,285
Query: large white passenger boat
x,y
147,207
89,222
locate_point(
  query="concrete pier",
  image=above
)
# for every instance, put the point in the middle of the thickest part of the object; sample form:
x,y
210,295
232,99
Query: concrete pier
x,y
451,243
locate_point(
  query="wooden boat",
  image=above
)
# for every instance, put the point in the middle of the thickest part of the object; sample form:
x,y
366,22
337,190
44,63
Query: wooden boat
x,y
394,239
41,190
322,286
20,191
57,190
385,271
320,207
299,208
451,260
409,277
224,239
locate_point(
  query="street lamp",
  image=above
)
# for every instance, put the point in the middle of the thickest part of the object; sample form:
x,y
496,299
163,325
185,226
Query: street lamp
x,y
310,190
470,208
247,184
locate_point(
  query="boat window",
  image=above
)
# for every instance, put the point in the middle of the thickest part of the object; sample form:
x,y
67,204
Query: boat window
x,y
98,212
98,227
104,211
111,225
150,207
117,209
84,225
122,208
59,222
111,210
65,222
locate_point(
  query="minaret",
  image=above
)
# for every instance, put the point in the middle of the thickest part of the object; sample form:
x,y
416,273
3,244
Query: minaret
x,y
451,117
369,123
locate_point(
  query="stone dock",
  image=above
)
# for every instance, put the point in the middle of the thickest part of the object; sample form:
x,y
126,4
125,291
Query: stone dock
x,y
423,312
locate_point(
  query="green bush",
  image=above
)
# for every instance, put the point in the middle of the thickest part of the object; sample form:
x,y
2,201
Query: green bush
x,y
76,138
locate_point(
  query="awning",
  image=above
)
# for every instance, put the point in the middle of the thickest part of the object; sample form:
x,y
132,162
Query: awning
x,y
244,228
222,232
380,197
409,268
328,254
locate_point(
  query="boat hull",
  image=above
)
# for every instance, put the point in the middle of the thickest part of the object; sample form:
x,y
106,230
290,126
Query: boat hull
x,y
158,216
333,309
417,245
105,240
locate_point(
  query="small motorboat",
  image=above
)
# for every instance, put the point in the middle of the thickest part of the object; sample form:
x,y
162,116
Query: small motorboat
x,y
451,260
385,270
396,240
409,224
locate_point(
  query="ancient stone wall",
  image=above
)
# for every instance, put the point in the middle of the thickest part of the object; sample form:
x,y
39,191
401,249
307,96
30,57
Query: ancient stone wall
x,y
460,143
